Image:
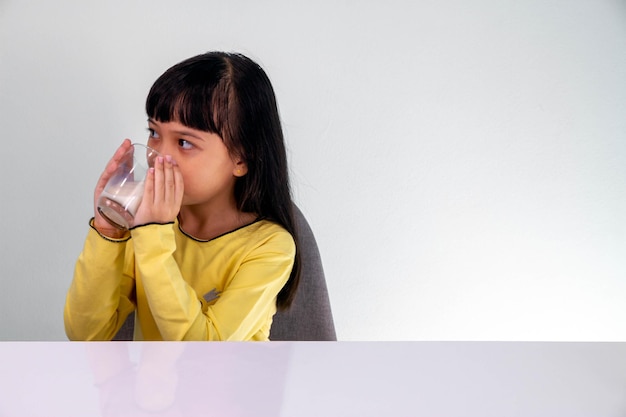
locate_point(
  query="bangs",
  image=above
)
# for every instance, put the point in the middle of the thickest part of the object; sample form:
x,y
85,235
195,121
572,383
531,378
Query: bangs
x,y
194,94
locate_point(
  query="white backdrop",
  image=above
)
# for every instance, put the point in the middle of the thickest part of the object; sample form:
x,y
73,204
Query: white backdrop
x,y
462,163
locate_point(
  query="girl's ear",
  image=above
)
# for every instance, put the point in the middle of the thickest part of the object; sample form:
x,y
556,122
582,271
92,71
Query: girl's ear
x,y
241,169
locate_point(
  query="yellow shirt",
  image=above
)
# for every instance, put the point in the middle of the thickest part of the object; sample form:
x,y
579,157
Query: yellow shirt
x,y
180,287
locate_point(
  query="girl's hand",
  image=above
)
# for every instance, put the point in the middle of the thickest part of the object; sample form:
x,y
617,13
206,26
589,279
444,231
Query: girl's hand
x,y
163,193
100,223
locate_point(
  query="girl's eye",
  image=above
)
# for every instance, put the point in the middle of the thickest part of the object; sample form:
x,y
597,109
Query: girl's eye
x,y
153,134
185,144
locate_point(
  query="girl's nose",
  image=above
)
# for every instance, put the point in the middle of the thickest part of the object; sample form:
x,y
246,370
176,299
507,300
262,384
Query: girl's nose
x,y
161,147
164,150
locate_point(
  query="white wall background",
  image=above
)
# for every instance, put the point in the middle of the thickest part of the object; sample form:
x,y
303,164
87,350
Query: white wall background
x,y
463,163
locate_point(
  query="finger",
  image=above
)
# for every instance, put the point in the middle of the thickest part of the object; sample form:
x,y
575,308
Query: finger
x,y
144,211
158,181
179,186
113,164
168,180
148,187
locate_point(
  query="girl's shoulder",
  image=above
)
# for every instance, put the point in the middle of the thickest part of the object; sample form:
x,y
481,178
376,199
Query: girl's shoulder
x,y
263,229
267,237
260,239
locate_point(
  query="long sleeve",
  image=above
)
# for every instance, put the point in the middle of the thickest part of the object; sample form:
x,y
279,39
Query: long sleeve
x,y
250,282
100,296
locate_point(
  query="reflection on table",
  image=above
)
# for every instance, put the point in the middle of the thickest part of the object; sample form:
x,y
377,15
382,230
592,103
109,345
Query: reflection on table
x,y
312,379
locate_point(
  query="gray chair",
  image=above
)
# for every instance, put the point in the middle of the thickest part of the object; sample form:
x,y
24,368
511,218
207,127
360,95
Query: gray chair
x,y
310,317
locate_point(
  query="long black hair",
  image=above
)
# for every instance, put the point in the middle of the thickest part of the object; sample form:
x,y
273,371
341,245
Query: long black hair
x,y
230,95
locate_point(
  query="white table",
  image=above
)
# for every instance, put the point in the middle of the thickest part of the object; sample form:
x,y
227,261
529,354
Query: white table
x,y
313,379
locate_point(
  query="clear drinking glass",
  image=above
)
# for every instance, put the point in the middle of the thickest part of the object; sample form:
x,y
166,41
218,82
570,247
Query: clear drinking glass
x,y
122,195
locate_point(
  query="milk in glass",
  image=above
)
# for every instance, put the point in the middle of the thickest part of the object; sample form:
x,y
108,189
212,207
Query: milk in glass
x,y
119,204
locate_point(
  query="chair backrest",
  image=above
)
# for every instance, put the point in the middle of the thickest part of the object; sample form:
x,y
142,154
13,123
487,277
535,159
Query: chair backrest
x,y
310,317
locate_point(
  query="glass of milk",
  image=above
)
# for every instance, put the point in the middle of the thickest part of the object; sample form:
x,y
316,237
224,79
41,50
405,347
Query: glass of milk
x,y
120,199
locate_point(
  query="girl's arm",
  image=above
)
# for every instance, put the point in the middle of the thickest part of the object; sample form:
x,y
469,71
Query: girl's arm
x,y
99,299
101,294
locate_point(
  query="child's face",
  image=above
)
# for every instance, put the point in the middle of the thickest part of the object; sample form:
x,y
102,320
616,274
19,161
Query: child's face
x,y
209,172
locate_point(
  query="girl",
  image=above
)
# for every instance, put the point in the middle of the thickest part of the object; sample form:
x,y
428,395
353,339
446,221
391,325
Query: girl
x,y
212,253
